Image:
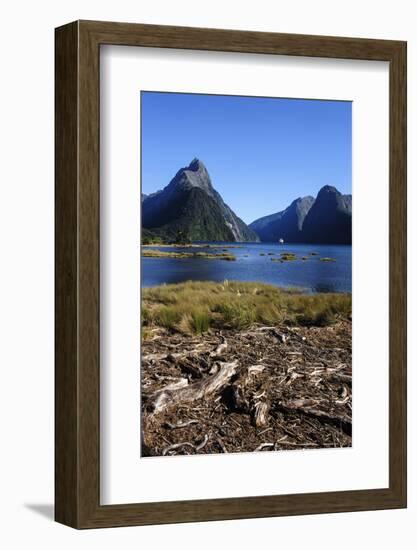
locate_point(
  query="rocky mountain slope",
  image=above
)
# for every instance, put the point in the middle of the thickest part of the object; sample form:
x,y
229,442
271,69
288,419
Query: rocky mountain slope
x,y
191,209
329,219
286,224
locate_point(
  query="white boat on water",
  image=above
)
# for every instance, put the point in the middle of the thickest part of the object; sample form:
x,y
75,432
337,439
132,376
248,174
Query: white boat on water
x,y
281,241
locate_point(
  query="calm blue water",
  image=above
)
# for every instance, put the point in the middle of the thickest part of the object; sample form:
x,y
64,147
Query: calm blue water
x,y
312,274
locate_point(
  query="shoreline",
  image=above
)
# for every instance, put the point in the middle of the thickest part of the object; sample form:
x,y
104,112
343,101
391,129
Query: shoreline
x,y
240,244
188,255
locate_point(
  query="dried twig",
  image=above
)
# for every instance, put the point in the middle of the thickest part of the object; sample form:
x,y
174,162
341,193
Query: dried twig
x,y
180,424
260,413
202,444
264,446
176,446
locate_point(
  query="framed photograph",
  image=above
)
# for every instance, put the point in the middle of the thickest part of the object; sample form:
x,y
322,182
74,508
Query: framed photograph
x,y
230,274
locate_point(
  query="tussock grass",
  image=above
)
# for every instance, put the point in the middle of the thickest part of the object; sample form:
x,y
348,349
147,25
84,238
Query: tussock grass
x,y
195,307
200,321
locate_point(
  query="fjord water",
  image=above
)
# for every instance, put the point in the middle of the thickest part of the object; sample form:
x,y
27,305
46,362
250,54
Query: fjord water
x,y
254,263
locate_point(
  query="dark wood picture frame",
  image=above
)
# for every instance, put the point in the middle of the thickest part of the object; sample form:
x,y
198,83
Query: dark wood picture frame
x,y
77,406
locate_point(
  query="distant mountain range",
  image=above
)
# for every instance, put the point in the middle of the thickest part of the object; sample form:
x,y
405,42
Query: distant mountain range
x,y
190,209
286,225
326,219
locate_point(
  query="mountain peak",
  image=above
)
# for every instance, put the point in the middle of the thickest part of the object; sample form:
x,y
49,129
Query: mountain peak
x,y
193,175
327,190
302,200
330,218
191,204
195,165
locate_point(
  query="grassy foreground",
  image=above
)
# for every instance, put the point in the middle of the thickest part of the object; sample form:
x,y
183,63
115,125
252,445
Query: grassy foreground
x,y
195,307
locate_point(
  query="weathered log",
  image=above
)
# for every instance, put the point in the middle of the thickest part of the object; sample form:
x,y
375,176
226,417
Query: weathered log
x,y
209,386
308,407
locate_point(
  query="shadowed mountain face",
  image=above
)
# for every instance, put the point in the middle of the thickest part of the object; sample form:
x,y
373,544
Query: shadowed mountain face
x,y
326,219
190,206
330,218
285,225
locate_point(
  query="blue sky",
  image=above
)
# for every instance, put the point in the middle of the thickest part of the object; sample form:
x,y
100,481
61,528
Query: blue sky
x,y
261,153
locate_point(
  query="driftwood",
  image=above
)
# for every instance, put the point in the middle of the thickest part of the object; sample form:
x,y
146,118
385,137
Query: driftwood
x,y
180,424
253,370
267,388
260,413
176,446
221,445
264,446
295,444
221,349
202,444
309,407
199,390
163,356
173,357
